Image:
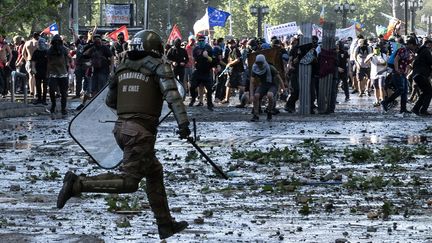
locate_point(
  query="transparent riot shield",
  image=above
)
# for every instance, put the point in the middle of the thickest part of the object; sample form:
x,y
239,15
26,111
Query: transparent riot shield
x,y
92,129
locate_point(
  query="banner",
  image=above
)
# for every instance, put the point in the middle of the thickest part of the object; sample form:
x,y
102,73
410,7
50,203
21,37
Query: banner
x,y
341,34
117,13
284,30
122,29
317,31
175,33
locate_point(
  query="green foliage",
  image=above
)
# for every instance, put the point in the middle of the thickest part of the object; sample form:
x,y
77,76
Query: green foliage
x,y
391,154
387,209
315,150
123,223
366,183
191,156
272,155
3,222
358,155
51,175
122,203
26,16
305,209
267,188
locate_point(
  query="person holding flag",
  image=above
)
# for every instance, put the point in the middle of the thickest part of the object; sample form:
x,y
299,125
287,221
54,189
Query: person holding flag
x,y
120,37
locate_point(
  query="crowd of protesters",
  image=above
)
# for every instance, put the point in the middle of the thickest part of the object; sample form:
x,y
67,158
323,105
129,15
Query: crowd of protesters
x,y
385,69
218,69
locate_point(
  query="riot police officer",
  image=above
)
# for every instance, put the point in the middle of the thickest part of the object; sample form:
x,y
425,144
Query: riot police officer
x,y
137,90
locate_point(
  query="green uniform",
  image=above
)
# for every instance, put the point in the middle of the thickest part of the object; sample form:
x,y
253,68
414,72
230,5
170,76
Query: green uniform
x,y
137,91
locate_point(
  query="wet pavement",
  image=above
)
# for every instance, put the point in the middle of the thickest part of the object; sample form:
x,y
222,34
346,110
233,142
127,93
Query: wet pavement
x,y
358,175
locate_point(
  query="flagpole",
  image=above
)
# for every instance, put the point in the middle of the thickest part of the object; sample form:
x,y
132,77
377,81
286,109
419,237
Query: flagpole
x,y
146,12
230,21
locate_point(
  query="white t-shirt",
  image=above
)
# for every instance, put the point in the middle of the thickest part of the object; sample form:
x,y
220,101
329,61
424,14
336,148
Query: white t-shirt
x,y
378,66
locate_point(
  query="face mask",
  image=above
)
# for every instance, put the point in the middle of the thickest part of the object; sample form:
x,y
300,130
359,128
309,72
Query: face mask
x,y
201,43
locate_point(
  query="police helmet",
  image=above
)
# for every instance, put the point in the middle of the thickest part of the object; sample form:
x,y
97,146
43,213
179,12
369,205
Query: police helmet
x,y
147,40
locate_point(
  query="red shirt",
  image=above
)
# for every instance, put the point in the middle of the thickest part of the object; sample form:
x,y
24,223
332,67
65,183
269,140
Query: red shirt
x,y
189,50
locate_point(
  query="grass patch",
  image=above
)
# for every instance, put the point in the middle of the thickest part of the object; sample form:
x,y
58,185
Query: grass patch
x,y
362,183
122,203
191,156
272,155
359,155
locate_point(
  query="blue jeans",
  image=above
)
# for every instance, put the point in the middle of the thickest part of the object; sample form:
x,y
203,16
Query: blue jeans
x,y
400,83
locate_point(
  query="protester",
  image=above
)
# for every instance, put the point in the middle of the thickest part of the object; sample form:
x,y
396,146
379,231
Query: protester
x,y
189,67
179,58
403,59
342,62
422,70
28,49
39,69
235,73
265,81
58,62
378,73
204,62
5,58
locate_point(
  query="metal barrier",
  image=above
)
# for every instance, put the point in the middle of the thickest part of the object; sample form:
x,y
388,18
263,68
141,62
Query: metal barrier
x,y
305,74
16,75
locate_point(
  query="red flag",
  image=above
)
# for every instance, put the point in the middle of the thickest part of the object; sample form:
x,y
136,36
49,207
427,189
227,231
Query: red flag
x,y
122,29
175,33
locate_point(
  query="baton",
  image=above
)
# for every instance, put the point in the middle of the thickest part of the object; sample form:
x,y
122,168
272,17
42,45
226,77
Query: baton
x,y
191,141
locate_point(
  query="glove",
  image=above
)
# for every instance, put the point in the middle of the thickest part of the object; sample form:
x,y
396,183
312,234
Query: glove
x,y
184,132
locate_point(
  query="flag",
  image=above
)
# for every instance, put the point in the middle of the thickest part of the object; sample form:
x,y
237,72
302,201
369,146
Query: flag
x,y
217,17
52,29
122,29
175,33
213,17
359,26
380,30
321,19
393,26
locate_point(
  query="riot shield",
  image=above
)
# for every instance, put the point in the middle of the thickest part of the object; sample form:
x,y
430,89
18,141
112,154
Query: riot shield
x,y
92,129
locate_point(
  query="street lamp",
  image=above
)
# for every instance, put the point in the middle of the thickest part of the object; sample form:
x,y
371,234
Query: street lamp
x,y
428,20
414,5
259,11
344,8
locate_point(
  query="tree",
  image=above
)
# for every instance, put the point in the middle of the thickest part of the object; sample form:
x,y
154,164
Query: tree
x,y
26,16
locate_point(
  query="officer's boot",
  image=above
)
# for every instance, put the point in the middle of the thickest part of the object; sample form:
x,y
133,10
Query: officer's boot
x,y
109,183
70,189
157,197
